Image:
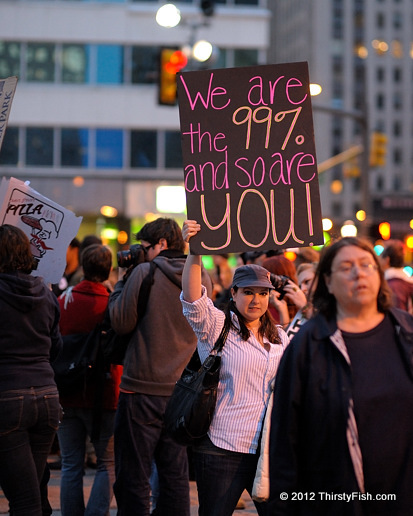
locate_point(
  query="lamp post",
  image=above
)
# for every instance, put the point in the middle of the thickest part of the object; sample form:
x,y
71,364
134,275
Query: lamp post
x,y
169,16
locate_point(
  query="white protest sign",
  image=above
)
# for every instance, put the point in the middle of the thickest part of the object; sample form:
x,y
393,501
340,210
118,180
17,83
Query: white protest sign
x,y
7,89
49,226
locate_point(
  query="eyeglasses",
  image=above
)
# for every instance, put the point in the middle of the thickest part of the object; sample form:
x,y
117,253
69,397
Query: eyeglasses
x,y
350,269
146,247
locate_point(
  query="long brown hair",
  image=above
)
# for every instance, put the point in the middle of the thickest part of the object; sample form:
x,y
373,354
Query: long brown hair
x,y
281,265
15,251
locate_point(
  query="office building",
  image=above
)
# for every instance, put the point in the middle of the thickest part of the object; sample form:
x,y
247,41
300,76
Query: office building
x,y
85,127
361,52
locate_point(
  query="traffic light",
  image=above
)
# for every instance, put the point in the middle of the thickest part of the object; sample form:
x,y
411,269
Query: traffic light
x,y
207,7
384,230
378,149
171,62
351,168
409,242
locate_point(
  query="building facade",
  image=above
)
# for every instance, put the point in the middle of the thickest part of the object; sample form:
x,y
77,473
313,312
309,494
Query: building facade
x,y
85,126
361,52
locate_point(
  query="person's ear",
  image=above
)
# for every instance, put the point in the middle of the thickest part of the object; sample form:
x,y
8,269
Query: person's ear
x,y
163,243
233,294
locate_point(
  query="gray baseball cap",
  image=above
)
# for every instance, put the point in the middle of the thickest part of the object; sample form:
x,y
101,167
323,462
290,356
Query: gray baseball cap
x,y
252,276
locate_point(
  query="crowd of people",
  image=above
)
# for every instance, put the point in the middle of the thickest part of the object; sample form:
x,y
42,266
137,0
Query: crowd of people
x,y
315,385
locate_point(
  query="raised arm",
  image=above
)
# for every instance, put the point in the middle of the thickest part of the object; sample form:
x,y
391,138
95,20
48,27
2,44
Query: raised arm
x,y
191,276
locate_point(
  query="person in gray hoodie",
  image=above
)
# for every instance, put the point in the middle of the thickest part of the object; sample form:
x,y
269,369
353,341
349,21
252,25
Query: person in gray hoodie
x,y
162,343
29,400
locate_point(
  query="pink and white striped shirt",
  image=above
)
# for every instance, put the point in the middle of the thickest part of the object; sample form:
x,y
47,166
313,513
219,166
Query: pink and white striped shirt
x,y
246,377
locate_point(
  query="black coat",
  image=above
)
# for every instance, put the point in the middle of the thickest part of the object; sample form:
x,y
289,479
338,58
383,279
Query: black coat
x,y
309,450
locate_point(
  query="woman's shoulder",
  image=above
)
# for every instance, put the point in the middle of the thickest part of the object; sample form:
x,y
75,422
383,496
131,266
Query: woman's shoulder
x,y
402,318
317,328
284,340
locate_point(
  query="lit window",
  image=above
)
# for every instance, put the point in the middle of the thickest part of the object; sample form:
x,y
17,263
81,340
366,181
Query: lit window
x,y
380,46
74,63
9,59
40,58
397,49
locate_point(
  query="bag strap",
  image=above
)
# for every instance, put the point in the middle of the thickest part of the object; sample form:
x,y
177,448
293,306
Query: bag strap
x,y
146,287
219,344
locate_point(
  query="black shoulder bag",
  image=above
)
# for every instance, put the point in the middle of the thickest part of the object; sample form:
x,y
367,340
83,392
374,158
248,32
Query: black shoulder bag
x,y
191,407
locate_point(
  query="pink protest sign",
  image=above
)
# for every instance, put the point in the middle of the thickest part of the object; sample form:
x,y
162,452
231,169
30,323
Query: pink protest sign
x,y
249,157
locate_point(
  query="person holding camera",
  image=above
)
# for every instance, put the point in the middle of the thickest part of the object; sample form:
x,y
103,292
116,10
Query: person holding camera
x,y
290,299
162,343
226,459
29,400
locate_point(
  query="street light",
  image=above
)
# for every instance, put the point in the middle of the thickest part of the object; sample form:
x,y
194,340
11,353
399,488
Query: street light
x,y
315,89
327,224
168,16
202,50
348,229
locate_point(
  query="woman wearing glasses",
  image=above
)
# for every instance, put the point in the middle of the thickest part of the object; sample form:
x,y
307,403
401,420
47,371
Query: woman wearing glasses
x,y
341,428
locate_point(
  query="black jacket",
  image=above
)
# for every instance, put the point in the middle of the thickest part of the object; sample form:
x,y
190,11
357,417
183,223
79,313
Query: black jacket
x,y
309,442
29,332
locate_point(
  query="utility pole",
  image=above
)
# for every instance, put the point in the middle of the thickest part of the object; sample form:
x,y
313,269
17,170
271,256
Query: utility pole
x,y
361,116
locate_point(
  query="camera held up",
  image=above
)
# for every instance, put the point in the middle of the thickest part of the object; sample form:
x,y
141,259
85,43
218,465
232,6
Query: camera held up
x,y
133,256
279,281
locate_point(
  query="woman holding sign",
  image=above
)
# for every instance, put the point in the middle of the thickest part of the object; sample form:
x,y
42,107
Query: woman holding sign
x,y
226,460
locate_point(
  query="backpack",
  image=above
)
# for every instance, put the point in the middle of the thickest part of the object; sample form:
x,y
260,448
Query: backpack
x,y
86,357
77,362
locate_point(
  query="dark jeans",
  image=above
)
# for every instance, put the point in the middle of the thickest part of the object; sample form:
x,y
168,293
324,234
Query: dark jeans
x,y
28,422
140,438
72,433
221,477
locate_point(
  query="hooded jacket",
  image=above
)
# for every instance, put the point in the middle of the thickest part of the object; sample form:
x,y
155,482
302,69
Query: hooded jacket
x,y
314,443
162,340
29,332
